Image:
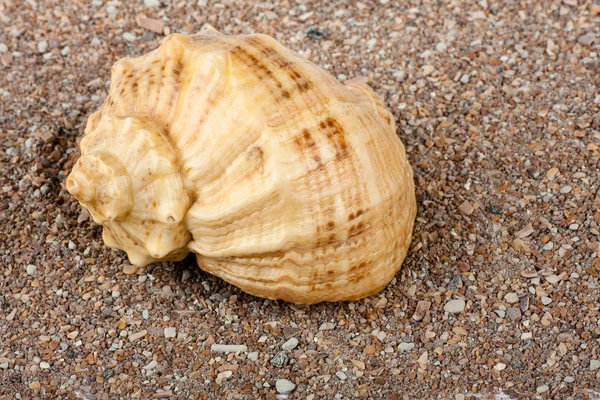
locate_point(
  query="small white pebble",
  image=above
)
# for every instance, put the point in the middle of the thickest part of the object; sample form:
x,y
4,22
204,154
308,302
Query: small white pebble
x,y
170,332
253,356
42,46
151,365
548,246
342,77
546,300
130,37
290,344
566,189
499,366
145,314
441,46
284,386
542,389
569,379
65,51
526,335
3,48
44,365
574,227
31,269
151,3
465,78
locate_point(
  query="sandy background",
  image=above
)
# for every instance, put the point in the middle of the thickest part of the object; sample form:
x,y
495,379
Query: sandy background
x,y
498,103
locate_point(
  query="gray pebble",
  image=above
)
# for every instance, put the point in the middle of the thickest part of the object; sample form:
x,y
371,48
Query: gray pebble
x,y
3,48
513,313
405,346
31,269
284,386
566,189
290,344
279,360
228,348
12,151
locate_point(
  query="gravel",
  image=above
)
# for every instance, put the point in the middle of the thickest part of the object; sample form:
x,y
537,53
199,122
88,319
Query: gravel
x,y
497,104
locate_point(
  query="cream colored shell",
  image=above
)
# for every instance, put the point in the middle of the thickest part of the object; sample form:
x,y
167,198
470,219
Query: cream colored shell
x,y
280,179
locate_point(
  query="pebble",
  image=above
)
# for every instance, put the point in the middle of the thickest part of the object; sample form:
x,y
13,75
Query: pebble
x,y
222,376
65,51
44,365
151,3
253,356
594,365
441,46
586,39
465,78
35,385
170,332
406,346
42,46
513,313
569,379
466,208
290,344
284,386
3,48
455,306
31,269
526,335
542,389
548,246
151,365
326,326
229,348
341,375
428,69
421,310
129,269
12,151
279,360
137,336
151,24
500,366
546,300
130,37
511,297
566,189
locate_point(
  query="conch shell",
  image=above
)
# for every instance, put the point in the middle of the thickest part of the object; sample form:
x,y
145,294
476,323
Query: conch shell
x,y
282,181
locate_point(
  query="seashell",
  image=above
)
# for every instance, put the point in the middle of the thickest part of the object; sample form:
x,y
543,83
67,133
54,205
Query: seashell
x,y
282,180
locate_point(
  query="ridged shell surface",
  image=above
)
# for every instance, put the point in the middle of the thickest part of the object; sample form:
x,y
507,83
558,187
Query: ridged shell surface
x,y
282,181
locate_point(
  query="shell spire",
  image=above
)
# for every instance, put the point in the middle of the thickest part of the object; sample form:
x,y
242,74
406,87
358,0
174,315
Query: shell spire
x,y
282,180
